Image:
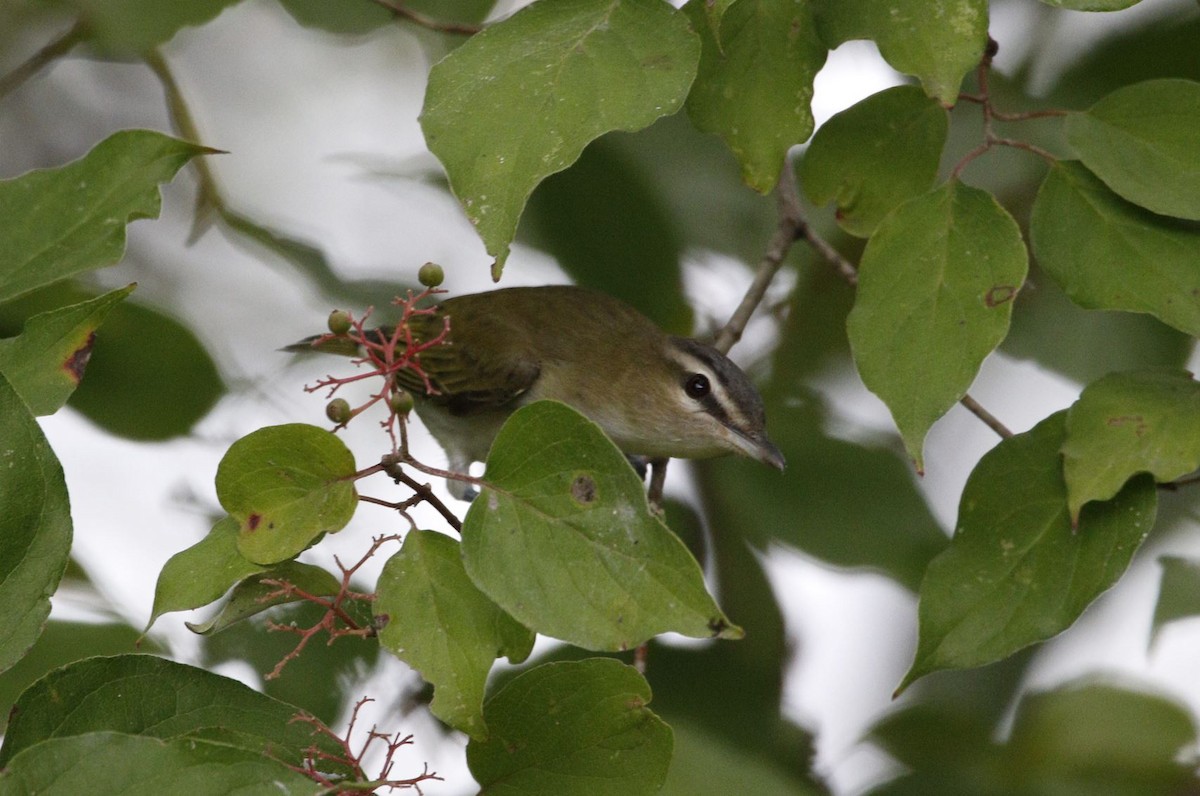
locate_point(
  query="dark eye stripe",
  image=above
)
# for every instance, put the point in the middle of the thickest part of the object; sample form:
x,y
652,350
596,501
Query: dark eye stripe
x,y
732,400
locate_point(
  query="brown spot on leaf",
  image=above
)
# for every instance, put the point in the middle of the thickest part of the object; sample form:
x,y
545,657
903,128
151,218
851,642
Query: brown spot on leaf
x,y
583,490
77,362
717,625
1000,294
657,62
1137,421
252,522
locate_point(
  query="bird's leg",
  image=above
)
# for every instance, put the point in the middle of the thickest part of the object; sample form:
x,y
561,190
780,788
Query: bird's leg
x,y
640,464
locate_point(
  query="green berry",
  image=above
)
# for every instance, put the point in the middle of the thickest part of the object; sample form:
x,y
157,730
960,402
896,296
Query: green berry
x,y
400,402
338,410
431,275
339,322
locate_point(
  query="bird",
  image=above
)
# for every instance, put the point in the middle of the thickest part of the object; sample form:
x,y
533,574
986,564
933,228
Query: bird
x,y
653,394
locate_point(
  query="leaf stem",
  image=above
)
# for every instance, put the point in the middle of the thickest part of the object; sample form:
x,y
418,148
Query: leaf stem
x,y
40,59
209,194
417,18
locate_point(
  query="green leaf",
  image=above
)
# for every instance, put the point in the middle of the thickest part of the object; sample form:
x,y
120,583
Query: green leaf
x,y
1126,423
947,750
157,698
104,763
1016,572
875,155
58,222
1092,5
937,41
935,293
1088,343
703,762
253,595
755,81
501,115
848,505
1102,739
46,362
1107,253
1157,46
1178,593
1141,140
35,527
134,27
286,485
576,728
1082,738
202,573
562,507
66,642
445,628
148,377
604,210
351,18
317,681
771,752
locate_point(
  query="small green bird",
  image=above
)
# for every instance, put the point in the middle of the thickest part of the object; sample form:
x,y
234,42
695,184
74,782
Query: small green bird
x,y
653,394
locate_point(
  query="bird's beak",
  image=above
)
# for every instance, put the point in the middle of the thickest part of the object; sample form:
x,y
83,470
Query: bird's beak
x,y
768,453
760,449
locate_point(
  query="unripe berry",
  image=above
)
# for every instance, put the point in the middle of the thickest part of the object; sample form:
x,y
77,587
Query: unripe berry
x,y
338,410
339,322
431,275
400,402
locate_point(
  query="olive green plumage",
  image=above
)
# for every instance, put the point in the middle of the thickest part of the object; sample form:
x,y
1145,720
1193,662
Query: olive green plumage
x,y
652,393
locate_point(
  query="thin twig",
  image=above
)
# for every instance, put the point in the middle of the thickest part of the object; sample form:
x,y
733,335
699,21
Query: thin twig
x,y
316,760
417,18
399,508
976,408
40,59
790,226
991,115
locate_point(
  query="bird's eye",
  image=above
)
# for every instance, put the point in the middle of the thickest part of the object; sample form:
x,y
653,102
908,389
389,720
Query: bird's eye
x,y
697,386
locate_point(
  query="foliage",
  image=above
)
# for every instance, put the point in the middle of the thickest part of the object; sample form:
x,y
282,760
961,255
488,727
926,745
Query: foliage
x,y
582,113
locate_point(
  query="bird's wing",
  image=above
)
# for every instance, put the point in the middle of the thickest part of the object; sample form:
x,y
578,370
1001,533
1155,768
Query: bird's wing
x,y
467,374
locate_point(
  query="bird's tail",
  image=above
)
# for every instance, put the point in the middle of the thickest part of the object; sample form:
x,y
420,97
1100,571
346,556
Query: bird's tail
x,y
327,344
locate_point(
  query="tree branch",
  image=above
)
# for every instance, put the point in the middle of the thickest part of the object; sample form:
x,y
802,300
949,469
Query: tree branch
x,y
790,226
392,467
976,408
